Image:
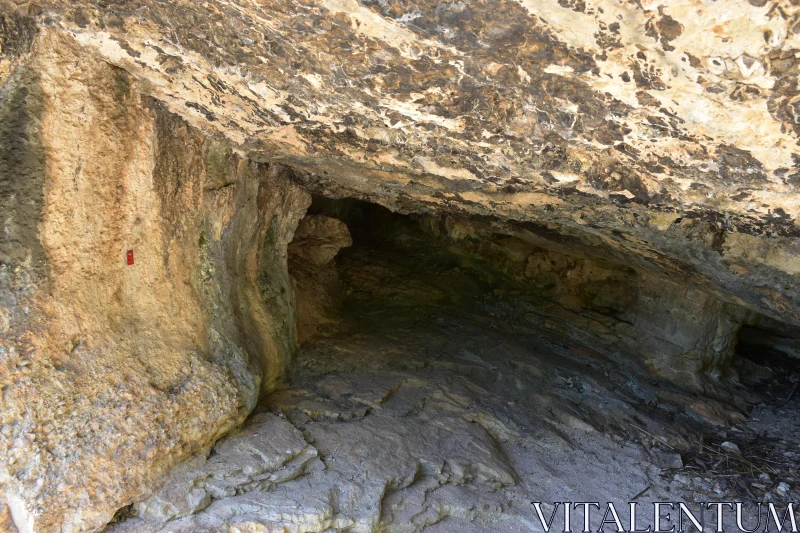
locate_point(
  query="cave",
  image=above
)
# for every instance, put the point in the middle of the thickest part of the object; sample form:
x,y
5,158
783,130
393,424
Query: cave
x,y
379,266
453,370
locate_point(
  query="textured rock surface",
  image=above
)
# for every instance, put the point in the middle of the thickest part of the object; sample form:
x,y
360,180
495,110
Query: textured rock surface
x,y
583,134
112,373
402,441
682,333
421,413
663,130
315,282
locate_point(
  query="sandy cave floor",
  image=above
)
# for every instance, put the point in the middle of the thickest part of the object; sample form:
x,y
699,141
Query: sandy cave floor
x,y
410,417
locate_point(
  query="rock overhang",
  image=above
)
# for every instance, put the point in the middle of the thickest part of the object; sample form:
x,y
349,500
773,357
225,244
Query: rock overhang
x,y
664,129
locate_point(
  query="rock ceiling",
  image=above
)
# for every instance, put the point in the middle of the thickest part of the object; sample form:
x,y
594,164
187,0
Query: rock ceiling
x,y
668,130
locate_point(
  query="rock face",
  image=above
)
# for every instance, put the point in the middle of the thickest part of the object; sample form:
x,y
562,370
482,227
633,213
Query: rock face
x,y
624,159
681,333
661,130
315,282
110,372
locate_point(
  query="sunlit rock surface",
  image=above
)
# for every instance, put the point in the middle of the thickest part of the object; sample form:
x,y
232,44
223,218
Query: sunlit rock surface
x,y
110,372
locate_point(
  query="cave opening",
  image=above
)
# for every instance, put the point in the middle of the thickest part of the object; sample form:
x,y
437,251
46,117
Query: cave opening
x,y
444,335
394,269
768,357
451,370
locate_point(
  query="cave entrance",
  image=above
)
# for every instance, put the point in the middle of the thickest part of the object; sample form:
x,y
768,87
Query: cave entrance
x,y
452,371
356,265
454,365
768,357
434,332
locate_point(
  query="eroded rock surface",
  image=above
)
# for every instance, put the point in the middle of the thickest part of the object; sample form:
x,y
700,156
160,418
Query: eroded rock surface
x,y
621,158
663,130
315,281
434,407
400,443
112,373
419,415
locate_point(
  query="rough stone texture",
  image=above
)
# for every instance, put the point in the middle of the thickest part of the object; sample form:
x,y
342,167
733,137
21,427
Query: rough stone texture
x,y
315,282
425,410
657,135
112,373
399,440
681,333
267,452
6,522
662,130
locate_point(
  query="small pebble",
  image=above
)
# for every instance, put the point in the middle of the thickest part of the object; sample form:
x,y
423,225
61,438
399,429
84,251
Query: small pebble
x,y
680,478
782,488
730,447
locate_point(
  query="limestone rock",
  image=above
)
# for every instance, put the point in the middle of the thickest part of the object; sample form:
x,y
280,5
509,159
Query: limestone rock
x,y
6,522
730,447
667,460
662,130
270,450
318,239
315,282
111,372
581,135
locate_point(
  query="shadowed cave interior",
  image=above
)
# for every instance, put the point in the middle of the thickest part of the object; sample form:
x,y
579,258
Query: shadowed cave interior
x,y
451,371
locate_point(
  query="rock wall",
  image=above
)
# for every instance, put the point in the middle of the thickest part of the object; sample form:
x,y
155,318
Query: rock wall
x,y
315,282
681,332
111,373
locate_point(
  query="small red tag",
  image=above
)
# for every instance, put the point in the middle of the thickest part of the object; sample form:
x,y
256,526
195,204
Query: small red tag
x,y
130,257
